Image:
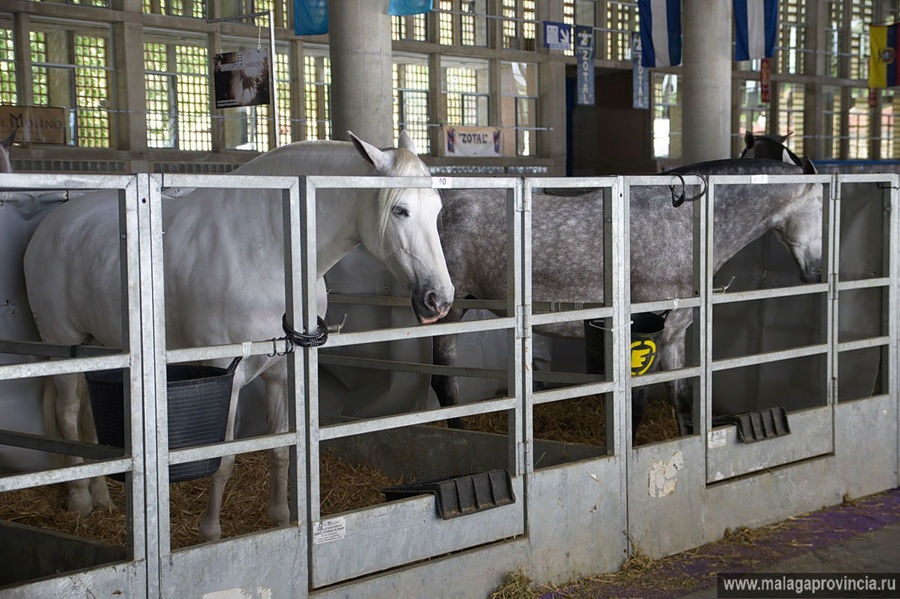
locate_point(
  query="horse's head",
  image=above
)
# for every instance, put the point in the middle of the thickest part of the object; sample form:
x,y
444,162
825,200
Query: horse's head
x,y
800,230
771,147
401,230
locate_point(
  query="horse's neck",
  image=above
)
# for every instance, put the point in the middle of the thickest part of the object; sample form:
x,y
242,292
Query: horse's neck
x,y
739,220
336,210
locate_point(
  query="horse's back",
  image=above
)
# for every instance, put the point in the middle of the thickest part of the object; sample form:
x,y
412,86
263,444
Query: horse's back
x,y
72,270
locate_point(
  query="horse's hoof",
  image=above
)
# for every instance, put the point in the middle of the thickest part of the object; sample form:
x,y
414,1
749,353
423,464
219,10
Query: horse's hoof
x,y
279,515
79,501
210,531
100,494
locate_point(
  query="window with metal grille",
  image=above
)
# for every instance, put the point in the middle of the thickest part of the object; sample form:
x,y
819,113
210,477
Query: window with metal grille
x,y
462,22
317,70
411,99
666,116
176,77
179,8
621,21
858,124
71,70
518,108
754,113
834,13
790,114
889,140
831,122
244,7
862,14
464,84
518,24
8,89
97,3
791,36
569,19
409,27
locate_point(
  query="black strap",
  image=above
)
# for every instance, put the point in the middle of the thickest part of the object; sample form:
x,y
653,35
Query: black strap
x,y
303,339
679,198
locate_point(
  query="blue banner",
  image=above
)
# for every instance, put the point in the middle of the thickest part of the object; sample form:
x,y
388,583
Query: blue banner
x,y
660,22
640,87
755,28
311,16
557,36
584,55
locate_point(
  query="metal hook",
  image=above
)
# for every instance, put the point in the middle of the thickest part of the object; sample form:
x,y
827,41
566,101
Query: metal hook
x,y
725,287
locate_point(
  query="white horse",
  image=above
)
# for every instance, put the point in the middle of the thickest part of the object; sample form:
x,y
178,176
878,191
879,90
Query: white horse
x,y
224,271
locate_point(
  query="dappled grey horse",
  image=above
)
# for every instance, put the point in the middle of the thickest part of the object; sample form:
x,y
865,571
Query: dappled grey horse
x,y
773,148
567,255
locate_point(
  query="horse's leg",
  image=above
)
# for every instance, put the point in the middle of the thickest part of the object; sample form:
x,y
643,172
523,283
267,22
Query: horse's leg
x,y
638,405
210,526
443,353
87,432
67,407
672,357
275,379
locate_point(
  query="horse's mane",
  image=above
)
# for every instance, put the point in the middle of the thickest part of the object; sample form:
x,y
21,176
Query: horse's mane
x,y
329,157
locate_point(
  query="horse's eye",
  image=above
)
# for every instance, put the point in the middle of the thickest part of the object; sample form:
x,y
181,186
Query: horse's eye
x,y
400,212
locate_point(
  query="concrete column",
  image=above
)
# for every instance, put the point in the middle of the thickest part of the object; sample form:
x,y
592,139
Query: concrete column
x,y
707,59
128,41
359,35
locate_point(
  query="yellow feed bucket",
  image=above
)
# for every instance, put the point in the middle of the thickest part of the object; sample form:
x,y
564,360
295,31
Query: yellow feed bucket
x,y
645,331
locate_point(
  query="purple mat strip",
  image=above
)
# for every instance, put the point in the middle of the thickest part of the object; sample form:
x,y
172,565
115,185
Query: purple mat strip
x,y
813,531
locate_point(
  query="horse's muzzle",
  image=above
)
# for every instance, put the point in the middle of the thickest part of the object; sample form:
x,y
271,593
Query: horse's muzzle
x,y
429,307
811,276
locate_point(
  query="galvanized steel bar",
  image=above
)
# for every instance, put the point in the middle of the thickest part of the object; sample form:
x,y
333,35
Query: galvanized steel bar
x,y
765,358
15,482
308,270
419,331
337,431
59,446
48,350
574,392
863,343
517,206
762,294
418,367
527,360
570,315
75,365
666,304
864,283
216,450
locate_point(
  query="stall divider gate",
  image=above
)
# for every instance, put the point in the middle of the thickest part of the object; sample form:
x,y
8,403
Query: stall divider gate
x,y
289,559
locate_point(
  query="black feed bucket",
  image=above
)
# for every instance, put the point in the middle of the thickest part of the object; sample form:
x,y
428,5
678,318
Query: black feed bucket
x,y
645,331
198,398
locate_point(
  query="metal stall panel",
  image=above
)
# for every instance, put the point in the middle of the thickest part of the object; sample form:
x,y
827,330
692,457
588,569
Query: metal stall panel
x,y
130,574
576,507
811,428
867,332
262,564
375,539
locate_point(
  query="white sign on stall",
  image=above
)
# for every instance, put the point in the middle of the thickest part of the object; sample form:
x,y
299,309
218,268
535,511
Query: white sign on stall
x,y
472,141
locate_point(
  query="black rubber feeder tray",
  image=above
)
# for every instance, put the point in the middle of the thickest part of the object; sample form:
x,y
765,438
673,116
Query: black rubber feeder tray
x,y
197,400
460,495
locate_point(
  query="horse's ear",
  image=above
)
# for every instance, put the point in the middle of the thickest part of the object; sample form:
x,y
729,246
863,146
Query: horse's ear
x,y
784,138
378,159
749,139
808,167
406,142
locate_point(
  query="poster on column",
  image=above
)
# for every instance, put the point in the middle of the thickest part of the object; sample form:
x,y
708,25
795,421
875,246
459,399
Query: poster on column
x,y
241,78
584,54
472,141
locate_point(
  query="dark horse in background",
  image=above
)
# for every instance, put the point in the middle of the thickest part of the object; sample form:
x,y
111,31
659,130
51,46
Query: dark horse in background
x,y
567,254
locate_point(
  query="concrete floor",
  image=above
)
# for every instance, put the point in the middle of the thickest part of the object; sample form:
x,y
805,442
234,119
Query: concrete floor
x,y
862,536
